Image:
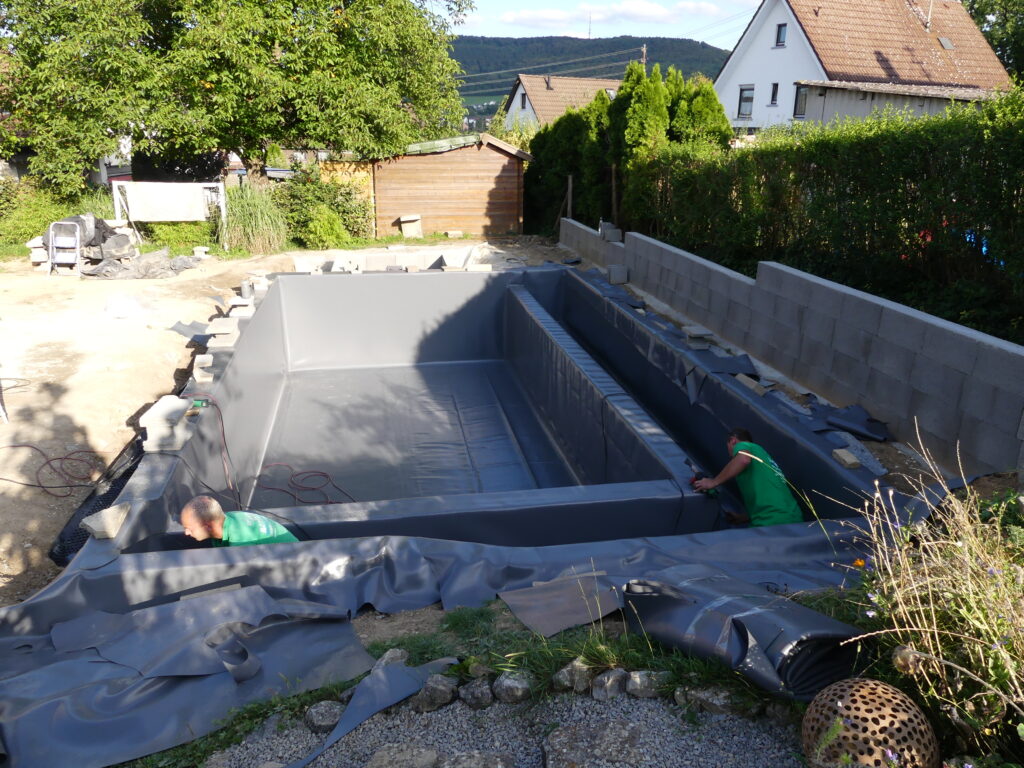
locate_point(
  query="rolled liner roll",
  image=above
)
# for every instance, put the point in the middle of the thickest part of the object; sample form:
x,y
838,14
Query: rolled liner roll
x,y
778,644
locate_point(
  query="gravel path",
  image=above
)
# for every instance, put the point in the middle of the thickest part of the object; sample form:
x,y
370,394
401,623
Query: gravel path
x,y
725,741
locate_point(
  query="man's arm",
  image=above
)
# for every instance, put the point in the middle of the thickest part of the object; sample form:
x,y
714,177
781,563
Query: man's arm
x,y
731,470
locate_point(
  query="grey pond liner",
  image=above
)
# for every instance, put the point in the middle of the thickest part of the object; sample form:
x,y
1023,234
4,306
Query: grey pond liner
x,y
485,433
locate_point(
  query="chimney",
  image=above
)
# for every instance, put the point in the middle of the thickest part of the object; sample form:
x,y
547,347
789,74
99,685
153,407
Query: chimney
x,y
547,81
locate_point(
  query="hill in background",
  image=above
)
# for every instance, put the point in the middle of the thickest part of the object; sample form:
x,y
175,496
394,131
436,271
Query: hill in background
x,y
559,56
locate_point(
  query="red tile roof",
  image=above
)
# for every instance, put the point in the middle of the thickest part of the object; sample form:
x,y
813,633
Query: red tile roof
x,y
887,41
551,95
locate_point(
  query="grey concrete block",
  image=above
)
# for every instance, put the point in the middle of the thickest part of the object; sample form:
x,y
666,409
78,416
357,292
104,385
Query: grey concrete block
x,y
787,311
841,393
996,451
817,325
851,340
762,303
735,334
739,313
851,372
740,291
815,354
862,313
700,296
957,350
758,346
718,306
107,522
846,458
772,277
823,298
937,379
903,328
891,358
618,274
935,414
719,281
786,341
889,395
997,363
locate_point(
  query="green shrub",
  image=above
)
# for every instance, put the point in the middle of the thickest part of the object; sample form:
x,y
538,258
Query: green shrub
x,y
30,210
303,194
325,229
255,223
180,237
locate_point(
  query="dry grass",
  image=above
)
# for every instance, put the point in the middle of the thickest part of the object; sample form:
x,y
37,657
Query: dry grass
x,y
946,596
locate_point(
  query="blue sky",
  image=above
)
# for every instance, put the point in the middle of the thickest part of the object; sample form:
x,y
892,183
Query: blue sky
x,y
717,23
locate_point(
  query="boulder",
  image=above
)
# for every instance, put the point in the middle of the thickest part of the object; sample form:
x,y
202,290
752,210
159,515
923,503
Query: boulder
x,y
323,716
437,692
477,693
609,684
574,676
646,684
581,746
512,687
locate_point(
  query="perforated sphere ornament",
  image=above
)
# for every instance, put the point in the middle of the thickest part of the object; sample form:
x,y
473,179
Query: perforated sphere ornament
x,y
867,722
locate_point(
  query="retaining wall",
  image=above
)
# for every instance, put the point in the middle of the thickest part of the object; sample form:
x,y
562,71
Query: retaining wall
x,y
962,386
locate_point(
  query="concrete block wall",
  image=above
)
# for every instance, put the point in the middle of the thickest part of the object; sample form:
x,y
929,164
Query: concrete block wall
x,y
962,386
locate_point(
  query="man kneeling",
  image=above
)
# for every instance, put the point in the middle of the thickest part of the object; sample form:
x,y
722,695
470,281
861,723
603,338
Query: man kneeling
x,y
203,518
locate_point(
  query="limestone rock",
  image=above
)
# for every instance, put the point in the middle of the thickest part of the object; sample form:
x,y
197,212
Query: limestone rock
x,y
403,756
438,691
476,669
323,716
512,687
477,693
646,684
609,684
477,759
391,656
574,676
580,746
718,701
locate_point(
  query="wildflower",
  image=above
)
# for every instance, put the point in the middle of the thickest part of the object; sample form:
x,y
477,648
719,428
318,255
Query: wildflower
x,y
858,563
870,614
873,597
891,756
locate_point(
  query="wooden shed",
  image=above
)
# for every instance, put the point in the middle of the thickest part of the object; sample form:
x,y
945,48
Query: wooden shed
x,y
469,183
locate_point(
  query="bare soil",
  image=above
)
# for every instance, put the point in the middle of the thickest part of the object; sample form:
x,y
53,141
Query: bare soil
x,y
81,360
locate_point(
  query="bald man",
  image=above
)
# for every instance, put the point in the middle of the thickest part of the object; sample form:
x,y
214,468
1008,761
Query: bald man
x,y
203,518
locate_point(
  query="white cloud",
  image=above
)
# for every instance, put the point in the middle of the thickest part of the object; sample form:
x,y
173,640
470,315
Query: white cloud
x,y
543,18
700,9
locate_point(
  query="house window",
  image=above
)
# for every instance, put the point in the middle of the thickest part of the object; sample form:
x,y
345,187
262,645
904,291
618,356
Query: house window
x,y
522,101
775,95
780,35
800,106
746,107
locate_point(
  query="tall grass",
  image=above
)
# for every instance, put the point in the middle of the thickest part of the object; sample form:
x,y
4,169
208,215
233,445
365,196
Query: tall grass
x,y
254,222
945,597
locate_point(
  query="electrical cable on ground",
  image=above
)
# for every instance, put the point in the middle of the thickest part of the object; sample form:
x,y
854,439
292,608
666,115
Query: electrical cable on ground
x,y
59,466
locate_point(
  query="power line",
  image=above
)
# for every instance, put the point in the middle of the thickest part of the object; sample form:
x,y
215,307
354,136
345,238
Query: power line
x,y
563,72
552,64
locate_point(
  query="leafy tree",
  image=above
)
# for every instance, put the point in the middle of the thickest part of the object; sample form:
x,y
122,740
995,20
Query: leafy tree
x,y
519,134
73,84
647,115
1002,23
187,77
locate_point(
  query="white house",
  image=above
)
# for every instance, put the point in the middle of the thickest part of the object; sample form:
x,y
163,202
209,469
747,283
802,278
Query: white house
x,y
542,99
822,59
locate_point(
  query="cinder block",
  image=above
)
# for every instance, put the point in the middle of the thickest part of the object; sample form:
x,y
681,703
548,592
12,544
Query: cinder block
x,y
719,306
740,291
813,377
762,304
815,354
751,384
787,311
858,312
935,414
222,325
903,328
700,295
937,379
824,299
758,346
851,340
618,274
719,281
851,372
735,334
977,399
953,349
107,522
996,450
739,314
891,359
846,458
888,395
817,325
997,363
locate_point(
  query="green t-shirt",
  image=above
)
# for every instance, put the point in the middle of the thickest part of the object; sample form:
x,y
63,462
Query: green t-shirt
x,y
764,489
242,528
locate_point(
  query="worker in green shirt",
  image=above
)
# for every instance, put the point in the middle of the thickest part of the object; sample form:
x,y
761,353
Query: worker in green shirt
x,y
203,518
764,488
